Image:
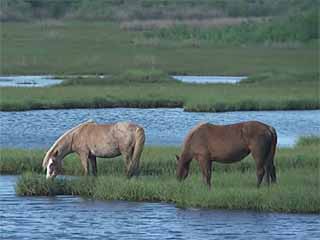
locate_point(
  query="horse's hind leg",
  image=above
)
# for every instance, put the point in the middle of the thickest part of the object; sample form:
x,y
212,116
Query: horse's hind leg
x,y
258,154
127,162
270,165
260,171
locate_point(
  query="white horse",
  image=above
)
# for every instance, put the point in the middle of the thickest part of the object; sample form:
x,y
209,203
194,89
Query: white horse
x,y
90,140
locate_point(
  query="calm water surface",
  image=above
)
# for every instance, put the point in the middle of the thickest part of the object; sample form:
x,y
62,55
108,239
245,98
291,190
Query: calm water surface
x,y
67,217
28,81
38,129
209,79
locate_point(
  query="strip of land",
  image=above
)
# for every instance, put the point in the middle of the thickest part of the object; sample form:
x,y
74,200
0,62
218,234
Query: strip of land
x,y
269,91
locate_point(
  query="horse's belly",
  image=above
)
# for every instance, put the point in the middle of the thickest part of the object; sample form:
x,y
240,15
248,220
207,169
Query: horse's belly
x,y
106,152
231,156
109,154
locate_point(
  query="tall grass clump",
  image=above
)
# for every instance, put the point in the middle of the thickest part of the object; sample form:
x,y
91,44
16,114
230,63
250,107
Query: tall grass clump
x,y
32,184
27,10
36,185
130,76
308,141
300,27
143,76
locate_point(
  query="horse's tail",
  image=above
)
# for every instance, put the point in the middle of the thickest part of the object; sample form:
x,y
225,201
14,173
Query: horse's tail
x,y
137,151
270,168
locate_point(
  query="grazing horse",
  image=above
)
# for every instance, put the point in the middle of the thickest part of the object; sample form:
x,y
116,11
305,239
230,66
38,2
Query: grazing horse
x,y
227,144
90,140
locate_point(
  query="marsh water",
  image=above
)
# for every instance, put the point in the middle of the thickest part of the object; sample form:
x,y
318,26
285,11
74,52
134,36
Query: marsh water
x,y
28,81
68,217
210,79
163,126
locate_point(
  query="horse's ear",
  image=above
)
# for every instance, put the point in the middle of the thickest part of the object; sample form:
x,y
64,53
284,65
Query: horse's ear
x,y
177,158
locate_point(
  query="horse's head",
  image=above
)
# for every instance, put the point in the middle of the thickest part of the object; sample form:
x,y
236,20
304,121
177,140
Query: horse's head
x,y
182,169
52,164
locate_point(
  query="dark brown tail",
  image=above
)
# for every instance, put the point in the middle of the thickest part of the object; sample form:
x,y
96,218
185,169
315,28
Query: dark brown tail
x,y
270,168
137,151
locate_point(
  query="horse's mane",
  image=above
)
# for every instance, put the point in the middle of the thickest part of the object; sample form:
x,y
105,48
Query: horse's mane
x,y
45,159
191,132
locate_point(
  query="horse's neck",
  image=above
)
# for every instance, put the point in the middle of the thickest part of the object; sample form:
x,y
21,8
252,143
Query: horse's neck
x,y
64,145
186,155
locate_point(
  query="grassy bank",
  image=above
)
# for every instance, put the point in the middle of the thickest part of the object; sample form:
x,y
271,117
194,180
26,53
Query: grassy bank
x,y
234,185
295,192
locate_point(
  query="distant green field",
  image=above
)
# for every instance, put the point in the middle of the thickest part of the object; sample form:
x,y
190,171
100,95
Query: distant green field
x,y
64,47
234,185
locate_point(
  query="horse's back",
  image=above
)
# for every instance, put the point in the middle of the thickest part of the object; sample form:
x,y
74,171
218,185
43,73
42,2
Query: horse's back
x,y
255,131
127,127
216,134
98,139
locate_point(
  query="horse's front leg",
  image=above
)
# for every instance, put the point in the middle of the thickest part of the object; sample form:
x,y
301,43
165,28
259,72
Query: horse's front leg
x,y
93,161
84,162
205,165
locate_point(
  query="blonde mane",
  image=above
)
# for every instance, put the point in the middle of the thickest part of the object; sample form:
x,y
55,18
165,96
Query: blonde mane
x,y
45,160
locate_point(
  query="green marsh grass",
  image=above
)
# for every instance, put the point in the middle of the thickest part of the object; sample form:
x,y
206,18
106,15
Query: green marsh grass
x,y
86,10
75,47
308,140
131,76
297,27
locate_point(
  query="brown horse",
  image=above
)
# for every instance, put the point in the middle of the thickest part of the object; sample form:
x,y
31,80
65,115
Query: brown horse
x,y
227,144
90,140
